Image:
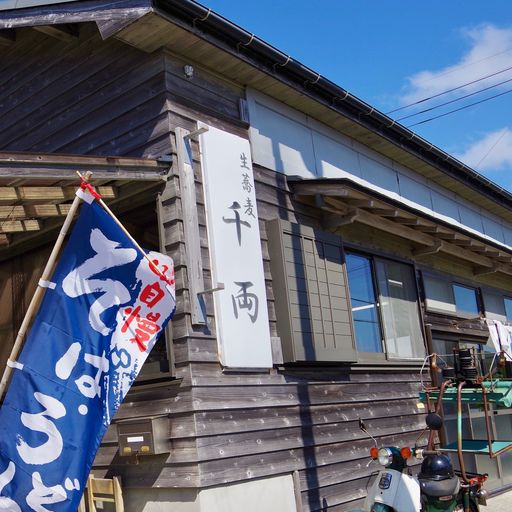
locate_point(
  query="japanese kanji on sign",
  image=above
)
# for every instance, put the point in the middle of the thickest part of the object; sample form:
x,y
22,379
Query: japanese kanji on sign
x,y
241,313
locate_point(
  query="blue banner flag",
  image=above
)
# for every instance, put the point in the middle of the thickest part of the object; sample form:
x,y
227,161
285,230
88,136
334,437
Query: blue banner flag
x,y
98,321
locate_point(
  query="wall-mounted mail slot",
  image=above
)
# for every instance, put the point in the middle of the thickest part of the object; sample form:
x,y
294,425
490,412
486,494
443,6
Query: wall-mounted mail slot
x,y
143,436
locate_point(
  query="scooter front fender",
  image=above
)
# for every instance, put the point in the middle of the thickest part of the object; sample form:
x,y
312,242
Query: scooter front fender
x,y
381,507
376,507
397,491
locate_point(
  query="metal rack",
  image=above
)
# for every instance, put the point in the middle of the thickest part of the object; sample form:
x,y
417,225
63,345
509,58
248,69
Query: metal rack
x,y
472,389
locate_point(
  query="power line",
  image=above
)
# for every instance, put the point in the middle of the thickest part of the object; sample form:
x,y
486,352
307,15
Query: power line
x,y
467,64
455,100
448,91
460,108
492,147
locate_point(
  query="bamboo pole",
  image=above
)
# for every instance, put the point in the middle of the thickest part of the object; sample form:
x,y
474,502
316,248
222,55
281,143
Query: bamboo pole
x,y
39,293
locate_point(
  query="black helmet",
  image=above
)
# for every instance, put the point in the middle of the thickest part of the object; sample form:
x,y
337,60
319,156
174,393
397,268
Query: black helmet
x,y
436,467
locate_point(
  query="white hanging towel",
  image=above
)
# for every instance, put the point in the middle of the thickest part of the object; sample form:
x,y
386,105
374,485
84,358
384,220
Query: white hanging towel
x,y
501,337
506,341
494,334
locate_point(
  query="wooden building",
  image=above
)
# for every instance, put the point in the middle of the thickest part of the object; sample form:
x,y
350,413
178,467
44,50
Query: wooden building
x,y
367,233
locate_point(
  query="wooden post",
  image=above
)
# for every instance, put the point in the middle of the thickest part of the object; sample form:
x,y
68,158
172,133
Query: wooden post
x,y
106,490
90,494
39,293
118,494
190,223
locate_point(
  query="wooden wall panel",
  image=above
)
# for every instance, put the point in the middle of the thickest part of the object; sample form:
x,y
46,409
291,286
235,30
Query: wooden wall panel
x,y
86,96
253,425
103,97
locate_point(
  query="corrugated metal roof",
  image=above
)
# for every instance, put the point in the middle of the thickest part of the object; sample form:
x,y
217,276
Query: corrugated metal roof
x,y
6,5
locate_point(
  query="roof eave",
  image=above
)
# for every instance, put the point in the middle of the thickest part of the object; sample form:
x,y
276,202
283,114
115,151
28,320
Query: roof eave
x,y
201,20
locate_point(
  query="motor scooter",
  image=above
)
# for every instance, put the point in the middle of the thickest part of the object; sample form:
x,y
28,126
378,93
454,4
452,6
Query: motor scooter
x,y
435,489
393,489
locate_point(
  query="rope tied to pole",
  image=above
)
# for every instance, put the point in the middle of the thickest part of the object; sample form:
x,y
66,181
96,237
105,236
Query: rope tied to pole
x,y
85,185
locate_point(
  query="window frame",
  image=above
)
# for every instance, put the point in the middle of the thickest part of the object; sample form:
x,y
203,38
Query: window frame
x,y
384,357
368,356
451,281
478,301
505,298
498,292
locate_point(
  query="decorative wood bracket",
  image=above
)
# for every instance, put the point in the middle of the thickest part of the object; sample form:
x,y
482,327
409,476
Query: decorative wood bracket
x,y
333,221
430,249
482,271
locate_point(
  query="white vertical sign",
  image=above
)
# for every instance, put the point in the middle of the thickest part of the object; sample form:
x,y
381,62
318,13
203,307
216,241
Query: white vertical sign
x,y
241,314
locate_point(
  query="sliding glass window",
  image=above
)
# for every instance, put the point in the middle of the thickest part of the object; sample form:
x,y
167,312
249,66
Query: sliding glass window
x,y
363,300
384,307
400,313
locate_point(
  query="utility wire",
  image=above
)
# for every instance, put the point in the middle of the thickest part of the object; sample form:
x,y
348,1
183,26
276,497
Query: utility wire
x,y
460,108
467,64
448,91
455,100
503,133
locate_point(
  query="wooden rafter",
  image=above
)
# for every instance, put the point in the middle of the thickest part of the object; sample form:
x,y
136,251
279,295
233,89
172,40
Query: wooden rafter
x,y
410,221
432,237
36,191
7,37
386,212
362,203
33,210
333,221
46,194
13,226
431,244
482,271
63,32
430,249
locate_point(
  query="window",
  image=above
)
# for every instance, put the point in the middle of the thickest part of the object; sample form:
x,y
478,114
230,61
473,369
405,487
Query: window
x,y
465,300
400,312
340,307
442,295
508,308
363,300
494,305
384,307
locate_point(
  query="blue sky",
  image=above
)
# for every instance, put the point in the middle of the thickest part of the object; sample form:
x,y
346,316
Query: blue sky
x,y
394,52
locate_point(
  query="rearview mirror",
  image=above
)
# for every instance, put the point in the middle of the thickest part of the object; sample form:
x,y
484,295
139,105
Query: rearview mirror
x,y
434,421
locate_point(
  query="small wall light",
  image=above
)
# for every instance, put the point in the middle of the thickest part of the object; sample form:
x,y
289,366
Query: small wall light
x,y
188,70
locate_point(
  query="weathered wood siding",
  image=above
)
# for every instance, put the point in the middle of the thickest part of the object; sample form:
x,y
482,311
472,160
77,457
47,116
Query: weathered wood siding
x,y
180,468
86,96
95,97
303,419
228,427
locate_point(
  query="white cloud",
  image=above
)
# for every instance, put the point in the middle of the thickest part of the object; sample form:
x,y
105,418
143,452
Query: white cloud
x,y
491,153
490,50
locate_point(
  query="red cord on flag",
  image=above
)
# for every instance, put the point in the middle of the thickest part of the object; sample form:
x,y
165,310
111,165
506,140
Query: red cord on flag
x,y
87,186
